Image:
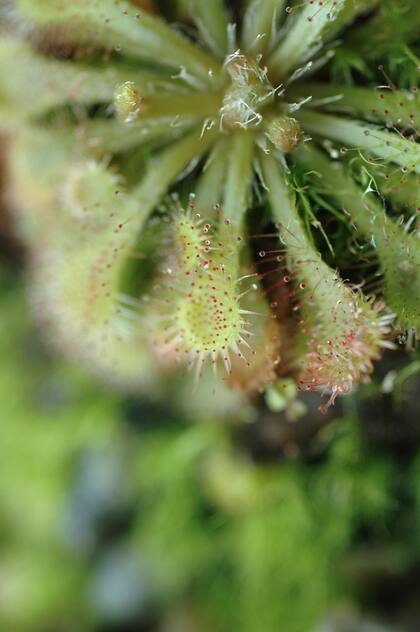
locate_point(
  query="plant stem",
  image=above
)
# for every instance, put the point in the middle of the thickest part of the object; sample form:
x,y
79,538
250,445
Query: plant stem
x,y
210,186
284,210
239,177
355,134
303,35
259,22
399,107
212,20
108,24
42,84
166,166
102,136
306,261
179,106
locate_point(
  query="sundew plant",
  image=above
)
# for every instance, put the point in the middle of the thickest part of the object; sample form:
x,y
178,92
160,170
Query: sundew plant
x,y
227,190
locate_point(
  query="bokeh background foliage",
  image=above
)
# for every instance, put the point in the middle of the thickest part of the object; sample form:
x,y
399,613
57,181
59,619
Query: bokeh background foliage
x,y
125,514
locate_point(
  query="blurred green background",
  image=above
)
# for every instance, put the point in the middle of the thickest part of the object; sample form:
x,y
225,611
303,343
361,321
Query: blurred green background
x,y
121,514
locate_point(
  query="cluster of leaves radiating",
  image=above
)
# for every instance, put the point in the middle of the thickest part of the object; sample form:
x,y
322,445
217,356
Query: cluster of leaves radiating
x,y
309,110
137,517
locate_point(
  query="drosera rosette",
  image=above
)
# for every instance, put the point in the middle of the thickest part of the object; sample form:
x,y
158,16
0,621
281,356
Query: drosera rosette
x,y
341,332
152,108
